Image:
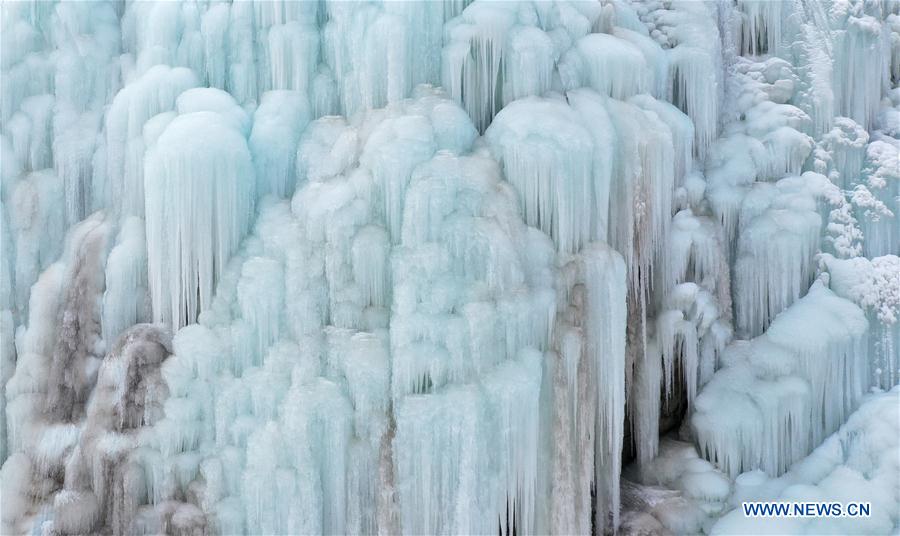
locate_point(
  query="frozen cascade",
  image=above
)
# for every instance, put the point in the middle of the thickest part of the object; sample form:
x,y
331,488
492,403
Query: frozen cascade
x,y
857,45
786,389
874,286
563,177
199,200
692,39
118,180
591,350
841,468
387,307
779,236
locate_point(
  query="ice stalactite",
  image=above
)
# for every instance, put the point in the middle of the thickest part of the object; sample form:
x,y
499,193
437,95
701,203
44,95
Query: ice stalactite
x,y
646,386
682,128
36,229
497,53
813,59
589,390
248,49
876,200
614,65
846,146
277,123
698,254
690,35
778,395
876,196
403,48
27,72
118,179
334,405
778,238
860,41
459,232
874,286
761,27
199,200
630,190
641,196
562,175
457,420
604,323
126,300
690,328
86,77
767,143
843,468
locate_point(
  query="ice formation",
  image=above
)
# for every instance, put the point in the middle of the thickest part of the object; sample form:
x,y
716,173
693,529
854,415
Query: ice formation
x,y
458,266
857,463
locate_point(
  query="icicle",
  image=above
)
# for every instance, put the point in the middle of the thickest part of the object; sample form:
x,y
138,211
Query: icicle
x,y
613,66
392,150
471,63
277,125
196,186
839,466
873,285
860,61
293,50
118,182
605,304
882,179
126,300
37,229
779,236
761,27
645,399
551,168
780,394
261,299
682,129
641,193
695,65
846,146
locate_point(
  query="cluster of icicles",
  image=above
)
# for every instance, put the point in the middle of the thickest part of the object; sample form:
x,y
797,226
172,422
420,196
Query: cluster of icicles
x,y
262,275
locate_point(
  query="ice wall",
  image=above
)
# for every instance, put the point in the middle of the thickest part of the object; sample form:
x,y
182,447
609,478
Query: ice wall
x,y
853,464
385,306
783,392
768,385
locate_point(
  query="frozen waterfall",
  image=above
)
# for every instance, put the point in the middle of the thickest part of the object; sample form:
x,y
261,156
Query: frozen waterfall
x,y
447,266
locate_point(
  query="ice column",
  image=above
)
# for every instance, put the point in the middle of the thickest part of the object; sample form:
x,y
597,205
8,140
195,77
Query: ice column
x,y
199,188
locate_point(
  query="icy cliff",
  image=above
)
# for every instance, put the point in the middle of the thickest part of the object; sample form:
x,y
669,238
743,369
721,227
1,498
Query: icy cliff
x,y
519,266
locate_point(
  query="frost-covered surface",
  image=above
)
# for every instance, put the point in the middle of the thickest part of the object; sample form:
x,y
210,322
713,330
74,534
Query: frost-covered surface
x,y
680,493
676,491
442,266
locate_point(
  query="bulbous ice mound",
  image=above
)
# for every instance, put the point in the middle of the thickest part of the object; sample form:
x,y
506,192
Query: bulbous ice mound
x,y
199,201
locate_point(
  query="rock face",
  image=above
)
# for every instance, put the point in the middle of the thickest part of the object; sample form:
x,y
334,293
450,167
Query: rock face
x,y
103,480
